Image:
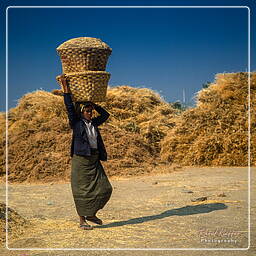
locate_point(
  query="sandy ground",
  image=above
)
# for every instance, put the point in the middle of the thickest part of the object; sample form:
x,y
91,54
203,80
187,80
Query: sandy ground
x,y
156,215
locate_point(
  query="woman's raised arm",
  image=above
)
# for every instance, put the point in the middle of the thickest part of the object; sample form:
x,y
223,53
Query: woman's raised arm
x,y
72,116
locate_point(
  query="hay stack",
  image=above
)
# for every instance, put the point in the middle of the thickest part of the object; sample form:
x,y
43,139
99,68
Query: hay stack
x,y
215,132
141,111
16,223
40,136
139,119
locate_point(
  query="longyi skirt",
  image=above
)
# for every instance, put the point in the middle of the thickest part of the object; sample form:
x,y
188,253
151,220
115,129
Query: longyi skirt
x,y
90,186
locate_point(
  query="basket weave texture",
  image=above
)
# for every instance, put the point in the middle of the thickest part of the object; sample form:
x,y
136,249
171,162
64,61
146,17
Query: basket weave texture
x,y
89,85
83,53
84,61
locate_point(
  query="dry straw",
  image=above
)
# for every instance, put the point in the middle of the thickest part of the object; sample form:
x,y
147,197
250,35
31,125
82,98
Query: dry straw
x,y
83,54
16,224
140,110
215,132
40,136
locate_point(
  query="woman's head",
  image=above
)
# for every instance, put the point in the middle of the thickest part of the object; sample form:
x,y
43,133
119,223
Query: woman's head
x,y
86,110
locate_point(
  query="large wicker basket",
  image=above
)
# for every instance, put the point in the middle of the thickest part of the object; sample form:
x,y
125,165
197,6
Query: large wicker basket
x,y
83,54
89,85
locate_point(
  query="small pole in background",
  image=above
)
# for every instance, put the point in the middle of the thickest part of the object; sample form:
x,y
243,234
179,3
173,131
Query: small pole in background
x,y
184,97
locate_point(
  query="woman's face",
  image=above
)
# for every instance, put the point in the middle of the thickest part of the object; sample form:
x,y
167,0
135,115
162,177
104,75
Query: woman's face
x,y
87,114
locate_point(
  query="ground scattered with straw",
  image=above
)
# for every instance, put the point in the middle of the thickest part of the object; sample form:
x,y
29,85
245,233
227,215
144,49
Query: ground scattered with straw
x,y
160,211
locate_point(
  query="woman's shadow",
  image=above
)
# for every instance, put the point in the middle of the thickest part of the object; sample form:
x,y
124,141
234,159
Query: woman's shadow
x,y
187,210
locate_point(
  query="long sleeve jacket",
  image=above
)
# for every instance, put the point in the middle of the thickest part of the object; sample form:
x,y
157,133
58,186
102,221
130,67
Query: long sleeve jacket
x,y
80,143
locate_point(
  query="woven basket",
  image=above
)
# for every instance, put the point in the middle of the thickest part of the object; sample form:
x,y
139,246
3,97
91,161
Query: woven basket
x,y
83,54
89,85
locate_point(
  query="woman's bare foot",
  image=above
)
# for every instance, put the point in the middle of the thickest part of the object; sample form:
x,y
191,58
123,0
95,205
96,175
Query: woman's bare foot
x,y
84,224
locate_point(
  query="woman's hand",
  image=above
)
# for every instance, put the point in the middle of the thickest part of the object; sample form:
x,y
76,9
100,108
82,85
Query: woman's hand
x,y
64,84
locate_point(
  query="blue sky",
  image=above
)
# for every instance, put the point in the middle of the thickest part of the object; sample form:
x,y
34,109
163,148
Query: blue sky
x,y
166,49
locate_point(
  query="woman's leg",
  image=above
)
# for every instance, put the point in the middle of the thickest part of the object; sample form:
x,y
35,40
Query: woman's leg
x,y
82,219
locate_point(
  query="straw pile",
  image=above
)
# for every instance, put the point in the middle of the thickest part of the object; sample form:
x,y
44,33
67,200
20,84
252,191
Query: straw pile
x,y
40,136
139,119
142,127
16,223
141,111
215,132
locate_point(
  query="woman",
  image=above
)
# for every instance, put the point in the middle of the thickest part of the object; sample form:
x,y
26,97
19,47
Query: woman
x,y
91,188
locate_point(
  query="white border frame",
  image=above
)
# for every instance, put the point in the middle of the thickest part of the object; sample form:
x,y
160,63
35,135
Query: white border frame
x,y
249,128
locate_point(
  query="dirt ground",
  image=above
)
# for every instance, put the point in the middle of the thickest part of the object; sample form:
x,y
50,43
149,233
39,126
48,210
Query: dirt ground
x,y
146,215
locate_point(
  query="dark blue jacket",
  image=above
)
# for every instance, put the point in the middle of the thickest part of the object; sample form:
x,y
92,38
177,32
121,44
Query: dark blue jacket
x,y
80,143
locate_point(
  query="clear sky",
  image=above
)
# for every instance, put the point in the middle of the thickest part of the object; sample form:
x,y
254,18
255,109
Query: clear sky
x,y
166,49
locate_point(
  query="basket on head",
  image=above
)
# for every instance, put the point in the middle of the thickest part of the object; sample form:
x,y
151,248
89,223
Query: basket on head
x,y
89,85
83,54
